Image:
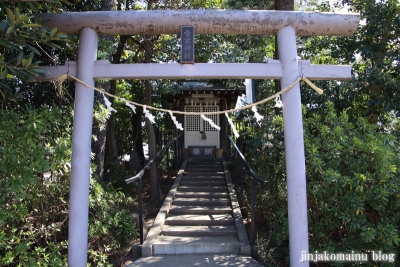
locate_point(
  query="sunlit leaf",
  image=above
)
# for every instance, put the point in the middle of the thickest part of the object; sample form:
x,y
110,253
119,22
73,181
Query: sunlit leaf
x,y
10,29
22,18
10,15
53,32
31,25
33,49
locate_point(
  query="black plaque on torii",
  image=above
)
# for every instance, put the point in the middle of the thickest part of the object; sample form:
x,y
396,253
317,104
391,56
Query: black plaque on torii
x,y
187,44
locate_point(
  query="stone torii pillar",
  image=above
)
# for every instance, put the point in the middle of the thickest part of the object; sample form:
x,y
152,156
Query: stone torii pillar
x,y
286,24
294,148
81,149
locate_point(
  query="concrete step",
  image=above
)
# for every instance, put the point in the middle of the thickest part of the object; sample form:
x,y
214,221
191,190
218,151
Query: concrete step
x,y
198,260
205,161
195,219
208,170
195,245
202,201
203,178
204,173
199,210
202,188
203,183
202,194
204,168
202,164
174,230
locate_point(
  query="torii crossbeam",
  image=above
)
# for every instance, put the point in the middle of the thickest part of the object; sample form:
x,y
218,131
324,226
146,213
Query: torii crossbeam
x,y
285,24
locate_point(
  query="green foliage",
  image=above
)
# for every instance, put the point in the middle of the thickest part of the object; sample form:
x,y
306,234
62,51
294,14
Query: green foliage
x,y
111,225
35,156
34,174
358,208
373,52
264,150
352,184
250,4
23,40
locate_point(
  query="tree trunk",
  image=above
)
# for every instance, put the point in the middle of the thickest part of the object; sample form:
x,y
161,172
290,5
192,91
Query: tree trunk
x,y
99,130
136,162
108,5
154,185
137,139
112,142
280,5
284,5
139,148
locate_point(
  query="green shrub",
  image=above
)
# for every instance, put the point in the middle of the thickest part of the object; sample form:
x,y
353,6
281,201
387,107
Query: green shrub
x,y
353,185
34,183
35,156
111,225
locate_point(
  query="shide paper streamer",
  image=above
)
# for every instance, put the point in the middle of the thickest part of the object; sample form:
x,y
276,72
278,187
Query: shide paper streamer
x,y
278,102
257,115
148,115
133,107
108,104
210,122
177,124
232,125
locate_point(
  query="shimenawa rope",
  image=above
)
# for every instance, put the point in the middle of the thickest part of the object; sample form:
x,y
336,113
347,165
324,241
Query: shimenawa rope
x,y
59,81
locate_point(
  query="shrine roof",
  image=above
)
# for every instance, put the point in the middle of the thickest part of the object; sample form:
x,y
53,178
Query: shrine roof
x,y
196,88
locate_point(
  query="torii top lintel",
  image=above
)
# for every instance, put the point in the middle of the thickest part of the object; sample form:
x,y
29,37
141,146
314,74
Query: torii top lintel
x,y
205,22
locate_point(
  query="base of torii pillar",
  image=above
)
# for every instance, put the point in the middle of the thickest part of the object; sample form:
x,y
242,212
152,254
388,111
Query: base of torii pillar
x,y
294,148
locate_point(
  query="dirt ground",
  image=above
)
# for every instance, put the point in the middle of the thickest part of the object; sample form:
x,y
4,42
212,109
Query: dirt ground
x,y
135,253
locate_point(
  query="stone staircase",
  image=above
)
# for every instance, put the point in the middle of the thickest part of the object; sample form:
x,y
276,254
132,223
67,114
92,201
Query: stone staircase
x,y
200,214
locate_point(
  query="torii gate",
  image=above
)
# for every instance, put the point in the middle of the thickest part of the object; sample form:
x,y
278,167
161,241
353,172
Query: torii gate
x,y
285,24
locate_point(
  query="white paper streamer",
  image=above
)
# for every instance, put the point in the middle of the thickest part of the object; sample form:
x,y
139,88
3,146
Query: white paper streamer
x,y
133,107
108,104
278,102
177,124
256,114
232,125
210,122
148,115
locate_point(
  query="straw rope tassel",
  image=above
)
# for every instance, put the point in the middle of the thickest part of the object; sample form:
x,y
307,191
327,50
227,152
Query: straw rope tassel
x,y
313,86
59,82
